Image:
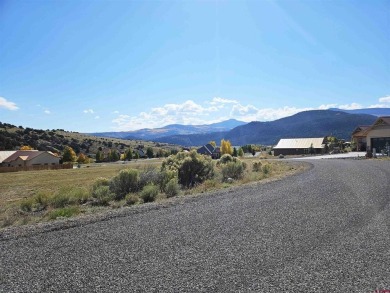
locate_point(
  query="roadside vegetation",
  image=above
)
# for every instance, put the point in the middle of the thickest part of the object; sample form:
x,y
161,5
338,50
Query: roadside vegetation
x,y
39,196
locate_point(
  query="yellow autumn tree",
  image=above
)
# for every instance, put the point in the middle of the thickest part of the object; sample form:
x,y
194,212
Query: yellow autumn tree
x,y
82,159
226,147
212,142
26,148
69,155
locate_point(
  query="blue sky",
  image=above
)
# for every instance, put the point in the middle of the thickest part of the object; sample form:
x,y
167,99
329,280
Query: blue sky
x,y
93,66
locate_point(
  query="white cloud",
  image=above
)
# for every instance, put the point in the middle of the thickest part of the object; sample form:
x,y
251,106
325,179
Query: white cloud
x,y
187,112
352,106
88,111
218,100
328,106
47,112
7,104
243,110
385,100
97,117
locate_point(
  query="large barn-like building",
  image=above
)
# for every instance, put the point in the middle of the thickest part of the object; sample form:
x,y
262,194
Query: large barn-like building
x,y
300,146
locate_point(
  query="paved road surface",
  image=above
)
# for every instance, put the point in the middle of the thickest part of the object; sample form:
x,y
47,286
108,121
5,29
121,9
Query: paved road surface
x,y
327,230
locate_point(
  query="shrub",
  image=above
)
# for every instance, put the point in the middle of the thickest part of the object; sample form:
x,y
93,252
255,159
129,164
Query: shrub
x,y
64,212
149,176
123,183
101,191
266,169
225,159
233,170
59,200
149,193
102,195
191,167
281,156
165,176
70,195
256,166
36,203
101,181
132,198
172,188
27,204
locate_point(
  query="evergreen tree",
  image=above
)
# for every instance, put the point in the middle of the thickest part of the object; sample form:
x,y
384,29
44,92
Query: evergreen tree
x,y
129,155
99,156
149,152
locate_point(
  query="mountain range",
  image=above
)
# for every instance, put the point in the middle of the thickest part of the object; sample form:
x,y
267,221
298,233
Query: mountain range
x,y
155,134
314,123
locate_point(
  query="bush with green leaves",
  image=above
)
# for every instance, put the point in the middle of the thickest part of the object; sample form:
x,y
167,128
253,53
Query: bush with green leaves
x,y
101,192
149,193
172,188
101,181
165,176
234,170
226,158
191,167
66,212
125,182
102,196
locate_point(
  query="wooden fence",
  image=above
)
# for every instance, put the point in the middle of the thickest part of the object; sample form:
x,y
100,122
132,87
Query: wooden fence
x,y
36,168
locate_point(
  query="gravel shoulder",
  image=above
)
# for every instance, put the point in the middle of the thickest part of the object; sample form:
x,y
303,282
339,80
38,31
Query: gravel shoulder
x,y
325,230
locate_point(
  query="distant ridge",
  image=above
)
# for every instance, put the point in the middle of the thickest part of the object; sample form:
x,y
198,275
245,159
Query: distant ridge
x,y
314,123
370,111
156,134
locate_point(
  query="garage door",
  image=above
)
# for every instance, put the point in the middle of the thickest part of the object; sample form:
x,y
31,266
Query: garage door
x,y
380,143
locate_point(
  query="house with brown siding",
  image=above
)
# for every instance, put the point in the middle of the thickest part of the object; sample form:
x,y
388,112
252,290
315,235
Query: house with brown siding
x,y
376,136
359,138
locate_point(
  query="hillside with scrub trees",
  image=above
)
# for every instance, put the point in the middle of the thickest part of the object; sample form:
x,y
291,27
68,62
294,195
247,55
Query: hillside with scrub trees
x,y
63,142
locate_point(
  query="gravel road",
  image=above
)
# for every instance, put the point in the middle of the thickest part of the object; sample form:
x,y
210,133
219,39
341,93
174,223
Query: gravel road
x,y
325,230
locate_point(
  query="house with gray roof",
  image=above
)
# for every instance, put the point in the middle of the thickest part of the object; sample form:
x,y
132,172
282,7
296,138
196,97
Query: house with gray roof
x,y
210,150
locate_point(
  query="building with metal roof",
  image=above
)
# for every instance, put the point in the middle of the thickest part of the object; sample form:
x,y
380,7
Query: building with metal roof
x,y
300,146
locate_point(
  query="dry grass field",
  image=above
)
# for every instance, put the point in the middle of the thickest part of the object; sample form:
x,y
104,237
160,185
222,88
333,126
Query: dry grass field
x,y
16,187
